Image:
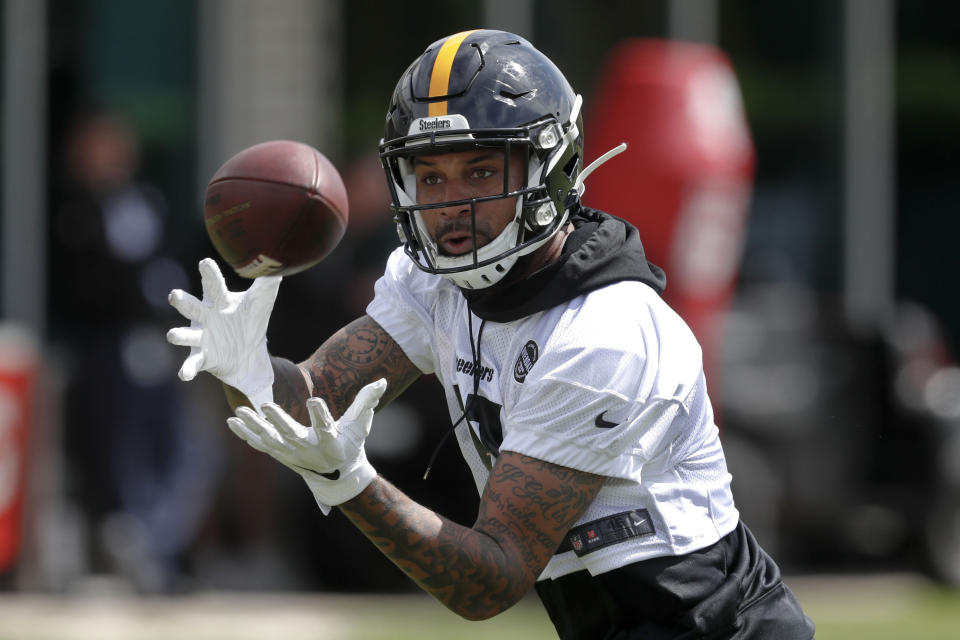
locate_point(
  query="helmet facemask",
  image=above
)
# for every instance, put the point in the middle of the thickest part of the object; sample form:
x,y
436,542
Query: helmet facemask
x,y
541,205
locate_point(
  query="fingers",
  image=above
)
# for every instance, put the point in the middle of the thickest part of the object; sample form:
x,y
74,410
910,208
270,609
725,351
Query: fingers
x,y
240,429
192,309
320,416
267,286
185,336
262,295
358,419
214,286
286,426
366,399
188,305
258,425
191,366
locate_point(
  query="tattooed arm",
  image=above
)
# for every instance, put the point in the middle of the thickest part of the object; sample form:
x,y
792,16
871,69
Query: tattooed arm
x,y
526,508
359,353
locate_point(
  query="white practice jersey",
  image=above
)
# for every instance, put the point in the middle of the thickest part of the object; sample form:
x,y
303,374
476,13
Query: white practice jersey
x,y
610,383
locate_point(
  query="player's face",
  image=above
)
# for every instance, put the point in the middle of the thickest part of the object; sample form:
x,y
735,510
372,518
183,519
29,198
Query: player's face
x,y
459,176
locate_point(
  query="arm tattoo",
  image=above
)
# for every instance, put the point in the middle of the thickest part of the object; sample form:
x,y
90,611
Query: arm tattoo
x,y
462,568
527,507
533,504
353,357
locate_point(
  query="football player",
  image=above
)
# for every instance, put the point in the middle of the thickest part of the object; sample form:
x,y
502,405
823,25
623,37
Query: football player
x,y
576,394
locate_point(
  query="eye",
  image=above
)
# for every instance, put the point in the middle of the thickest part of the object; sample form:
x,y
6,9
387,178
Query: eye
x,y
482,173
430,179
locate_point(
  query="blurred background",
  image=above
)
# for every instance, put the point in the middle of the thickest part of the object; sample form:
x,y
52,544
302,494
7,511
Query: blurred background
x,y
792,165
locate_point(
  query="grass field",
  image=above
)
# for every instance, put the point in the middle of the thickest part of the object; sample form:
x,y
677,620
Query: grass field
x,y
849,607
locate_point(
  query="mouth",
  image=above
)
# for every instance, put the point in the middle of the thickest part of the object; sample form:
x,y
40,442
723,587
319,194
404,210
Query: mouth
x,y
455,243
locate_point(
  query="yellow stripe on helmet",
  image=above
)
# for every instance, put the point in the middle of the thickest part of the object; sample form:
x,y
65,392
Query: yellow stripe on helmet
x,y
440,76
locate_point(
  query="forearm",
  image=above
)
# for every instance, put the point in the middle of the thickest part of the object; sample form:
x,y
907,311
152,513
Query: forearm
x,y
353,357
290,389
465,569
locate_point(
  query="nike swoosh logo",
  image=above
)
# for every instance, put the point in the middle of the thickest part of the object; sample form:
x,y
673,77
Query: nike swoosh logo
x,y
600,423
331,475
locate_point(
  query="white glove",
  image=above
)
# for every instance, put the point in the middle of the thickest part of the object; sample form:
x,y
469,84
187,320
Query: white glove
x,y
329,454
227,335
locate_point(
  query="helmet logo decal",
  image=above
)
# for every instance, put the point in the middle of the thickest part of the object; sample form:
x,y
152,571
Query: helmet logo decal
x,y
440,75
441,124
435,123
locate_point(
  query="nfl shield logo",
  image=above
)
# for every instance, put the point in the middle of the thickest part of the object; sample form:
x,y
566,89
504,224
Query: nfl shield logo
x,y
576,542
528,357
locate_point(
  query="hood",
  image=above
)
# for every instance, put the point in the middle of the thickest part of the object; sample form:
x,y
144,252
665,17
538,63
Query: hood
x,y
602,249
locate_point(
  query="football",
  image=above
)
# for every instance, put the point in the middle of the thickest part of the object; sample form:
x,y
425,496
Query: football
x,y
275,208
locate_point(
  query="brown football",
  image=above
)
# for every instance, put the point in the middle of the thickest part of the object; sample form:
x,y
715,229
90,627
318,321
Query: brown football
x,y
275,208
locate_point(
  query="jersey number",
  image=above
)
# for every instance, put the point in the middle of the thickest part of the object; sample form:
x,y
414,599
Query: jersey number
x,y
486,414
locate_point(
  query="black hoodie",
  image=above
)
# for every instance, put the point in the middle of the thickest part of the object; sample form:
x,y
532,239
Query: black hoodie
x,y
602,249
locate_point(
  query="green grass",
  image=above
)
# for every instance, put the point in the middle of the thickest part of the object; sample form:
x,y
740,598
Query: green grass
x,y
848,608
424,619
880,608
894,607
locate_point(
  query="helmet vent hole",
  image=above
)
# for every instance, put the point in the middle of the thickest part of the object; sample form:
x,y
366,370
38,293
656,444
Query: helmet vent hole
x,y
514,96
500,269
571,165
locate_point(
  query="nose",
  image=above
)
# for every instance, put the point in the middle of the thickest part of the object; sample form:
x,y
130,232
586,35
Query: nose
x,y
456,190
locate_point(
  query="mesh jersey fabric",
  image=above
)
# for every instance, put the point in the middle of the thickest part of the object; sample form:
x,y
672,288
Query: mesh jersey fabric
x,y
558,381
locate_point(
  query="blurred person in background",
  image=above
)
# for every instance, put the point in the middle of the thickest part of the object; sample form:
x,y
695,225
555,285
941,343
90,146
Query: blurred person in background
x,y
576,394
139,473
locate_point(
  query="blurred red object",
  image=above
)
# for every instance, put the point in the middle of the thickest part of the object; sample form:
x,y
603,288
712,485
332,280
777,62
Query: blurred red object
x,y
19,364
686,176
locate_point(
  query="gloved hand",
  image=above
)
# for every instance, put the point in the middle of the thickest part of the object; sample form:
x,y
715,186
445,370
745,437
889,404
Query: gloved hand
x,y
227,335
329,454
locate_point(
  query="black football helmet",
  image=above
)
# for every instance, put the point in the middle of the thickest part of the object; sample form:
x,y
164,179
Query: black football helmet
x,y
485,89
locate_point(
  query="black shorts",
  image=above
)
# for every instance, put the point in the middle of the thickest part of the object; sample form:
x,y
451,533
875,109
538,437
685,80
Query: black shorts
x,y
731,590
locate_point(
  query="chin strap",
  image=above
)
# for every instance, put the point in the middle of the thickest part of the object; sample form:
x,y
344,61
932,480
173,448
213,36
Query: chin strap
x,y
579,185
468,405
